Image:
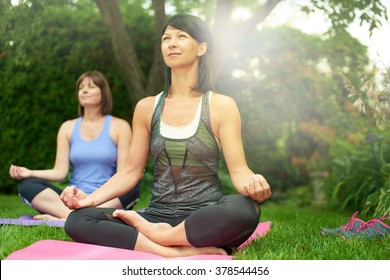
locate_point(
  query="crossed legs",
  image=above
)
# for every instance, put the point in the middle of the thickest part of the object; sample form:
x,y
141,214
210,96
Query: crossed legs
x,y
160,233
98,226
226,224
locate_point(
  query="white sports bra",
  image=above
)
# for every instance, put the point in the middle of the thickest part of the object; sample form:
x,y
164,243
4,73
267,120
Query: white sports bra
x,y
181,132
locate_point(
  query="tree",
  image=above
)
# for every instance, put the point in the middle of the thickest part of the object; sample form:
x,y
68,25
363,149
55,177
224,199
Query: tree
x,y
44,47
46,44
340,12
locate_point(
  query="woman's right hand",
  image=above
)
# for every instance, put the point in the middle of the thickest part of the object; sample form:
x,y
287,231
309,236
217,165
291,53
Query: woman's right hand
x,y
73,198
19,172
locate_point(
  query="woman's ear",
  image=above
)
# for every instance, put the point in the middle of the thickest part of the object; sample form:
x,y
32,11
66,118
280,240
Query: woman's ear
x,y
202,48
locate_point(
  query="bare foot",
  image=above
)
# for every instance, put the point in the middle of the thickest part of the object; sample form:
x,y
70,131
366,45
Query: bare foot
x,y
47,217
185,251
160,233
129,216
144,244
157,232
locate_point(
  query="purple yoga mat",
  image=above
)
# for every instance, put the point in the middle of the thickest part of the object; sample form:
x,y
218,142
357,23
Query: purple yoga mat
x,y
27,220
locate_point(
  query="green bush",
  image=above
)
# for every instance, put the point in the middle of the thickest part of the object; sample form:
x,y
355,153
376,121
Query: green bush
x,y
361,180
43,50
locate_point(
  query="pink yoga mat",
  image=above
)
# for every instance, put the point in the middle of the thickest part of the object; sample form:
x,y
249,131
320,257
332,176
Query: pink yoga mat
x,y
65,250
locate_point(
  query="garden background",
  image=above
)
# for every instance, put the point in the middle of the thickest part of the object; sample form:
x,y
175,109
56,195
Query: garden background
x,y
315,109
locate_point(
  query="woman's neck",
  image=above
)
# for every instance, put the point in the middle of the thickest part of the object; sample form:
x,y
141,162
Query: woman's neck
x,y
92,115
183,82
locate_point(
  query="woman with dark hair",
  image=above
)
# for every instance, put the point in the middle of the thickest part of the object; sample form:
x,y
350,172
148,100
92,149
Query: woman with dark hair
x,y
96,146
187,127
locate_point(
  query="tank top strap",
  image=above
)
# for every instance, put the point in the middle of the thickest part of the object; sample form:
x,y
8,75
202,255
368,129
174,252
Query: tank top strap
x,y
106,126
76,133
205,113
158,109
76,130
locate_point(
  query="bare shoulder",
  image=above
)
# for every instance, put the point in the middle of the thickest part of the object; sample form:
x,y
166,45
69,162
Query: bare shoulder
x,y
67,126
144,108
66,129
69,123
146,103
120,124
222,102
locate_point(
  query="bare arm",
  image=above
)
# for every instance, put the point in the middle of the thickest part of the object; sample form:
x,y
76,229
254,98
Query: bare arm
x,y
228,130
125,179
121,135
61,165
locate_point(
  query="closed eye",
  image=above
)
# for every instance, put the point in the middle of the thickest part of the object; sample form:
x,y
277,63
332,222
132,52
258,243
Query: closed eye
x,y
165,38
183,35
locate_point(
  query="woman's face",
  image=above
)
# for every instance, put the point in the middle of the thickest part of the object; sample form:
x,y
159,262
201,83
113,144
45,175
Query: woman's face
x,y
179,49
89,94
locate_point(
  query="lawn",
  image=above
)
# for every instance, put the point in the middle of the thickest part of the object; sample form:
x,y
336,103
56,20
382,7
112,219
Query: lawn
x,y
294,234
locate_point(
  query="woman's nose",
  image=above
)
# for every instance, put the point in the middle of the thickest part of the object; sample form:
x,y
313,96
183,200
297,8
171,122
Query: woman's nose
x,y
172,43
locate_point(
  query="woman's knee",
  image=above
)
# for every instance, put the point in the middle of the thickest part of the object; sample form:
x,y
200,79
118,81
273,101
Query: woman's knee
x,y
77,223
28,188
24,185
97,226
73,222
229,222
242,210
81,222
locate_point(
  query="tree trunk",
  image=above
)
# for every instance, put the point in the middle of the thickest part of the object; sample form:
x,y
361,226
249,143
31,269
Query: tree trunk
x,y
156,75
228,38
124,51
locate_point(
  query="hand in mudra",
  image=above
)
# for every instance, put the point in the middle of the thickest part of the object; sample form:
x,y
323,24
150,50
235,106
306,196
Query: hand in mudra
x,y
258,188
74,198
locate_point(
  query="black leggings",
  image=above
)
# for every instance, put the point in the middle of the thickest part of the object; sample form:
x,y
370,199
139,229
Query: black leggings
x,y
31,187
226,224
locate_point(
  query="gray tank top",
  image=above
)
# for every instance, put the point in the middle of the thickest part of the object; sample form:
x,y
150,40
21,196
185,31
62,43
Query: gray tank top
x,y
185,170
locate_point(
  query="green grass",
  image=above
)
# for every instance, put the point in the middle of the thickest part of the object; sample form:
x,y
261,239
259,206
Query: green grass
x,y
294,234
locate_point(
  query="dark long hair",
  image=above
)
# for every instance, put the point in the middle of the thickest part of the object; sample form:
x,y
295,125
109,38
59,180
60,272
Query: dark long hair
x,y
198,30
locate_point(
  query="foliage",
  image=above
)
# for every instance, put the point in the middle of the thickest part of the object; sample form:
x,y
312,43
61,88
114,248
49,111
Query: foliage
x,y
39,65
299,116
344,12
359,166
371,96
296,92
290,97
360,180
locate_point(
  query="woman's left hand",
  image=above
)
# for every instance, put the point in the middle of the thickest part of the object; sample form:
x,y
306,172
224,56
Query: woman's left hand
x,y
73,198
257,188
